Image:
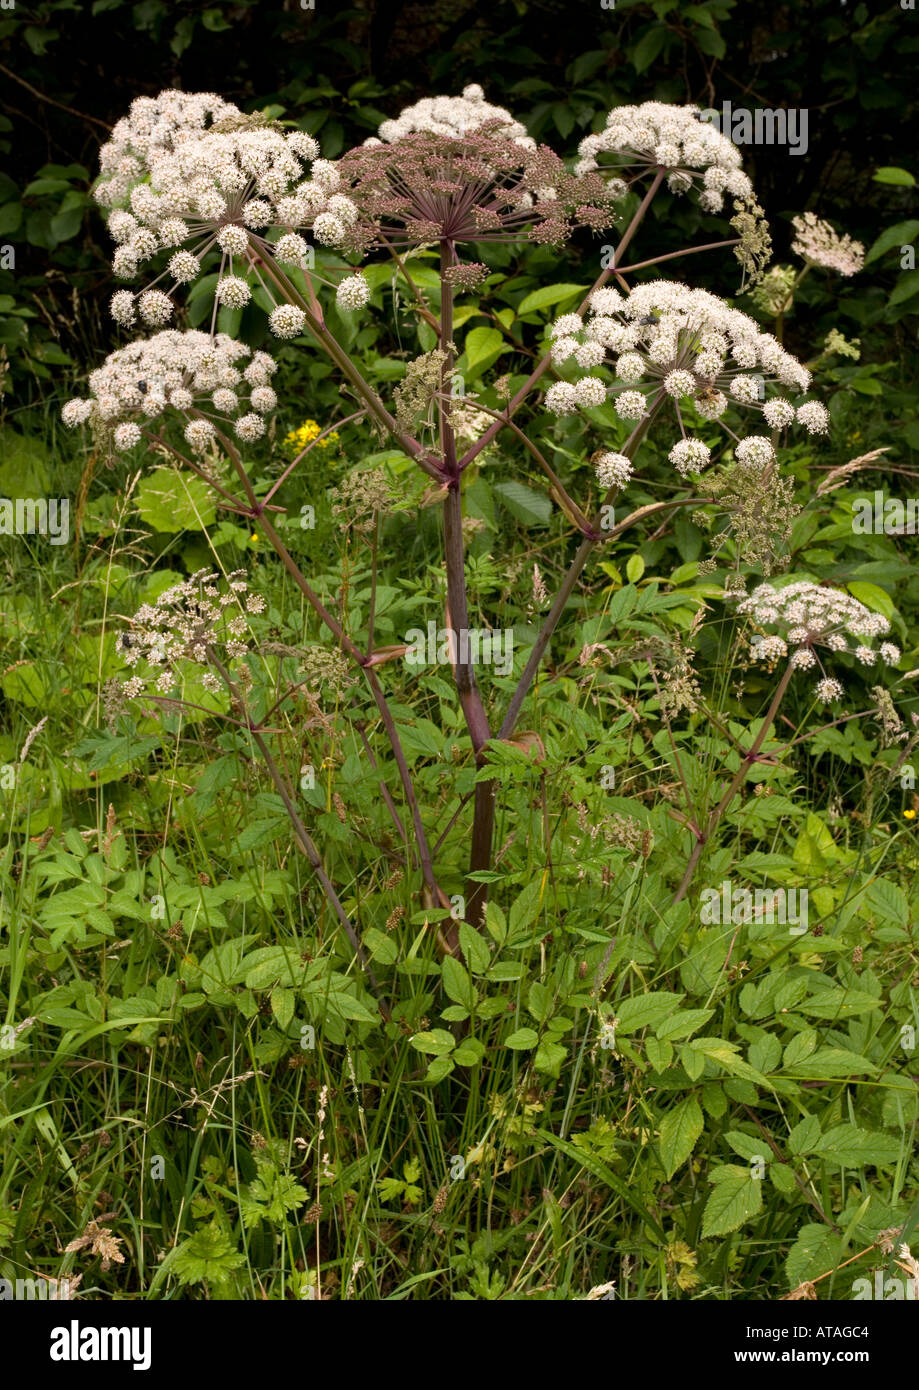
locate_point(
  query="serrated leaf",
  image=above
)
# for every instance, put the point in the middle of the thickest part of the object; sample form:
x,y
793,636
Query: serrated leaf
x,y
852,1147
522,1039
829,1062
282,1006
645,1010
805,1135
680,1128
815,1252
734,1199
524,503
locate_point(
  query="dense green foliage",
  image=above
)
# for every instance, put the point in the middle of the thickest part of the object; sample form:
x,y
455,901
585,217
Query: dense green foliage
x,y
191,1058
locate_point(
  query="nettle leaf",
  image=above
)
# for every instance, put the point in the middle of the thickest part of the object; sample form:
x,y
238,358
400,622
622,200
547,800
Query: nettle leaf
x,y
852,1147
734,1199
645,1010
680,1128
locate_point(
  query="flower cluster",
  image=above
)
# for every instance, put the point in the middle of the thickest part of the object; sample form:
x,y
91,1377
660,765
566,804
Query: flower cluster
x,y
806,616
482,186
191,373
668,341
295,442
656,137
185,175
454,116
191,621
817,243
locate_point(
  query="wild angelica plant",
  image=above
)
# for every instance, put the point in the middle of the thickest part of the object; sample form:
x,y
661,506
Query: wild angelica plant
x,y
192,184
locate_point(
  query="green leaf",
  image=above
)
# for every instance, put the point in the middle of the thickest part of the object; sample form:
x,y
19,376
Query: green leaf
x,y
872,595
889,174
548,296
748,1146
524,503
904,289
734,1199
457,984
837,1003
438,1041
855,1148
549,1057
171,501
648,47
282,1006
889,901
681,1023
903,234
522,1039
828,1062
481,347
680,1128
816,1251
634,569
644,1010
474,949
805,1135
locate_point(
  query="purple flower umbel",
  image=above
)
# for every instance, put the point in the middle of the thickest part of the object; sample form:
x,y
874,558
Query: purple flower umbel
x,y
477,188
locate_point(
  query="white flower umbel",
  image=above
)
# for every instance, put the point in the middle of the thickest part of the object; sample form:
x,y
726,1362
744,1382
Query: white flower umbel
x,y
691,348
198,377
656,136
185,175
652,139
454,116
613,470
804,617
817,243
192,622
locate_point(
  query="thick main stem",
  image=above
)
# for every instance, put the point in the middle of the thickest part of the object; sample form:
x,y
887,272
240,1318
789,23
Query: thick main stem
x,y
458,607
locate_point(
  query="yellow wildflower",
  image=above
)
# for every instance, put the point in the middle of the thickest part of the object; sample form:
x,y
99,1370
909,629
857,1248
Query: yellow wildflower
x,y
298,439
